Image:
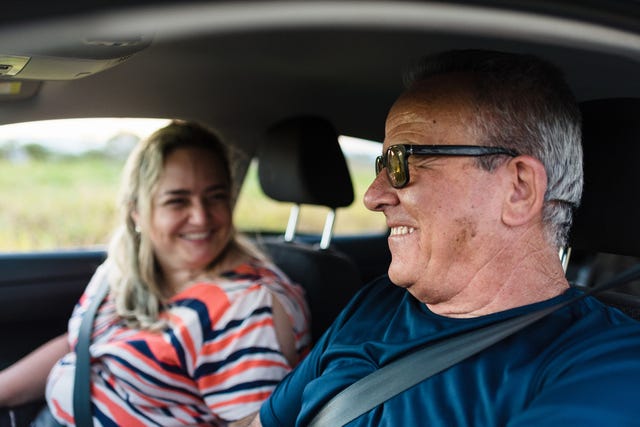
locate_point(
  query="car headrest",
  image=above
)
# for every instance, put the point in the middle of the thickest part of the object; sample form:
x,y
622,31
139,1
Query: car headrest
x,y
608,219
301,162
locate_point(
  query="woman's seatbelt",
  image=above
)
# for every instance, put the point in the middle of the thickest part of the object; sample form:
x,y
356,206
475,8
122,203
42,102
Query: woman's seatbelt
x,y
82,412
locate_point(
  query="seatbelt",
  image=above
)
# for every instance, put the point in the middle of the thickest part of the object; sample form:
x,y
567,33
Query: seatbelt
x,y
82,412
401,374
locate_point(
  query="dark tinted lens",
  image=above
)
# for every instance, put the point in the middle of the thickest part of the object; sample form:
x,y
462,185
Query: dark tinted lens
x,y
396,166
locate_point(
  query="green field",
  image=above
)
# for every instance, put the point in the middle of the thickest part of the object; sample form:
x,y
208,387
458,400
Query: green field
x,y
70,203
62,204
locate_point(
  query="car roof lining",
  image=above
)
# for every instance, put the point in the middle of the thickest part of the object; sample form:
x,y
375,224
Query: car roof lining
x,y
114,34
342,61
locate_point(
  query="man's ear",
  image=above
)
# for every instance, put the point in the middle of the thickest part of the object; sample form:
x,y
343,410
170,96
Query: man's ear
x,y
527,184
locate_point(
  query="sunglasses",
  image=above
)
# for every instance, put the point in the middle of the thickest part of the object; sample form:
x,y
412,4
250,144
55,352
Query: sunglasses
x,y
395,159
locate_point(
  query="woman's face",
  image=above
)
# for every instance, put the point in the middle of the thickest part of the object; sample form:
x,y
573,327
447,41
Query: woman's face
x,y
190,213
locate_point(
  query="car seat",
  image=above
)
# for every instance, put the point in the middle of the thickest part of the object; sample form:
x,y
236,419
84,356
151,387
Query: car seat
x,y
300,161
605,232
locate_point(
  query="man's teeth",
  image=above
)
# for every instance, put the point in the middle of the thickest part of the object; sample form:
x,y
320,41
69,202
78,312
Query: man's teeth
x,y
398,231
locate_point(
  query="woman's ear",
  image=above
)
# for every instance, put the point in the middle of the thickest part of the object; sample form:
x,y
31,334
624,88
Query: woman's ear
x,y
135,216
527,185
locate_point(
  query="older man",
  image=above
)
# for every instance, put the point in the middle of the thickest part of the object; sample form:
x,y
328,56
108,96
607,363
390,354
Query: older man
x,y
481,167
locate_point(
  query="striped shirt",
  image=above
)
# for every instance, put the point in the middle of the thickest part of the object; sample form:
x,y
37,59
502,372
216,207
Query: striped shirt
x,y
217,360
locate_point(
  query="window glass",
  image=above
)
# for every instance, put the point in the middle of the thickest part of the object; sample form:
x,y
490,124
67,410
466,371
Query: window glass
x,y
59,180
257,212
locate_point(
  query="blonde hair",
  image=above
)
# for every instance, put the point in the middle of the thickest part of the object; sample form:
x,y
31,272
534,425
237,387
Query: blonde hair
x,y
135,278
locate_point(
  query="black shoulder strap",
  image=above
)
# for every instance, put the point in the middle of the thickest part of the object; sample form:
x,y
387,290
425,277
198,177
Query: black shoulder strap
x,y
401,374
82,381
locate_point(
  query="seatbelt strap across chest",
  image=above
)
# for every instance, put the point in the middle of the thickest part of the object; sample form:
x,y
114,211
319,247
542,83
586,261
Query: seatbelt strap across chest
x,y
401,374
82,412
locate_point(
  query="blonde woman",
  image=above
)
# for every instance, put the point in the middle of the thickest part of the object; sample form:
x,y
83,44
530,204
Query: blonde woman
x,y
198,327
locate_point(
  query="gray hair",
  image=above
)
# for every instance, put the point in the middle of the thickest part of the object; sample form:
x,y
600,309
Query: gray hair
x,y
523,103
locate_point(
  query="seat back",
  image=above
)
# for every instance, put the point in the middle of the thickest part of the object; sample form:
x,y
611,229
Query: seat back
x,y
607,220
301,162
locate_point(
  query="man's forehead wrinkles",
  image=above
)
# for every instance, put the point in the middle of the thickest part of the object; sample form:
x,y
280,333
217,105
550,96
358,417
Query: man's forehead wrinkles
x,y
406,136
410,115
410,123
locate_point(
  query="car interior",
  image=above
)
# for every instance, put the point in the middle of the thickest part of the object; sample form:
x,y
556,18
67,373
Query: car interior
x,y
602,239
281,81
292,162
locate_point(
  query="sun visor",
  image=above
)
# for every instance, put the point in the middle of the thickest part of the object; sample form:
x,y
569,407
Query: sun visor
x,y
13,90
87,57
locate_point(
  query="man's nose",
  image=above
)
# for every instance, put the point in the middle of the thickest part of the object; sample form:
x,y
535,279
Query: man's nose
x,y
380,193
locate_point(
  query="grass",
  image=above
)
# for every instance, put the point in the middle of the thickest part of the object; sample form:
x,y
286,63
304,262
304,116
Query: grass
x,y
70,203
62,204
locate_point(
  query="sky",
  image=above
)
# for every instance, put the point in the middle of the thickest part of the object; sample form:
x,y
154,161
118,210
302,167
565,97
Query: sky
x,y
78,135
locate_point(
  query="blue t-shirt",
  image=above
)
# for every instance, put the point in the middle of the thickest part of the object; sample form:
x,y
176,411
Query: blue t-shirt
x,y
579,366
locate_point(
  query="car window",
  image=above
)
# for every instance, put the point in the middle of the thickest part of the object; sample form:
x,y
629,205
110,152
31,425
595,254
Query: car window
x,y
59,181
354,219
60,178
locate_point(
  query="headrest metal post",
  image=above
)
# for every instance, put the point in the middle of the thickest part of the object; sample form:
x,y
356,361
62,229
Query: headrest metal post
x,y
327,232
292,224
565,255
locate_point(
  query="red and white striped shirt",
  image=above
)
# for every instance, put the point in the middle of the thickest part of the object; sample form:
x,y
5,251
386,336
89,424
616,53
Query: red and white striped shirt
x,y
217,361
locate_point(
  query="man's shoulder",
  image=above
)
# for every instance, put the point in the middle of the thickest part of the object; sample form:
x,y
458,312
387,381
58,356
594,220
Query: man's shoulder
x,y
590,327
610,316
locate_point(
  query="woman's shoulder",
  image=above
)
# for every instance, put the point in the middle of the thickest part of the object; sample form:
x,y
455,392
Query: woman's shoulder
x,y
257,271
245,277
237,292
246,291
